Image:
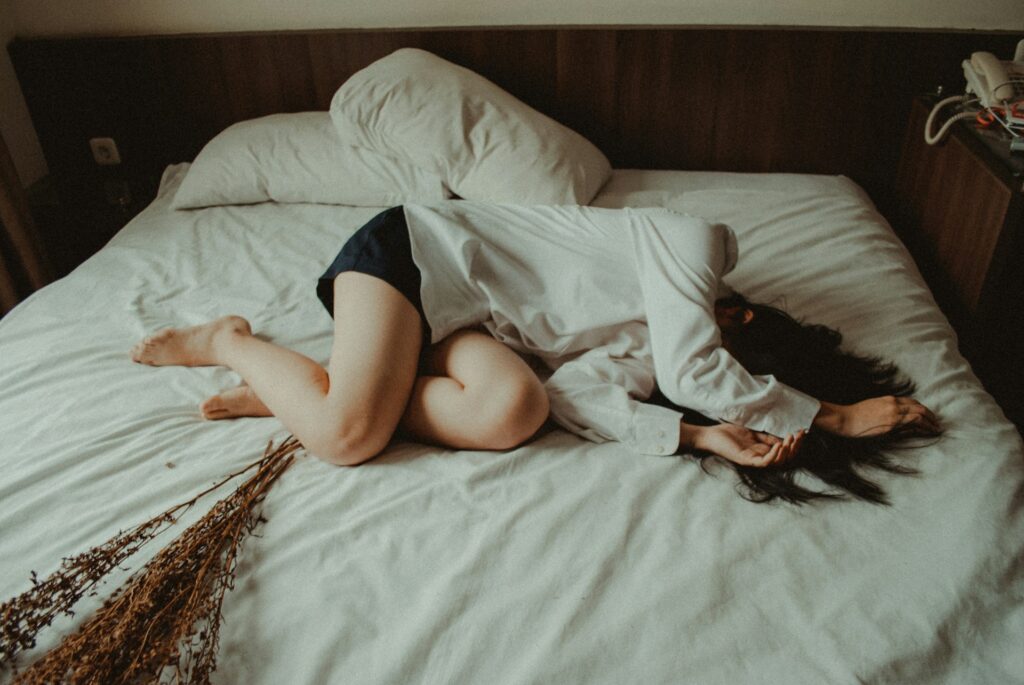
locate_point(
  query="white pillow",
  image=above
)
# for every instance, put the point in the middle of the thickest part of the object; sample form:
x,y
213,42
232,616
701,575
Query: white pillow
x,y
483,142
298,158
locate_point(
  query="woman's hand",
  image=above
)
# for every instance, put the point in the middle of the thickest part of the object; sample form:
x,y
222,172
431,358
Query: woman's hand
x,y
741,445
877,416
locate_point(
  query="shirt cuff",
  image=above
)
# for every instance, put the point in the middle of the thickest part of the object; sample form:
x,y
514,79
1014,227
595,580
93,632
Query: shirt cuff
x,y
790,411
656,430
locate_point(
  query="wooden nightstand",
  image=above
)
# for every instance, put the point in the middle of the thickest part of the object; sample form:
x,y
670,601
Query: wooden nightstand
x,y
961,214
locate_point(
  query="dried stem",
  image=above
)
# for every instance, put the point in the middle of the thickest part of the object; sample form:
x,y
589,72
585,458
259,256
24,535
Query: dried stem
x,y
166,615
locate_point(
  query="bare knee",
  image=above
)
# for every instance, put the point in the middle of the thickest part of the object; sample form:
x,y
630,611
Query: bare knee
x,y
350,443
511,412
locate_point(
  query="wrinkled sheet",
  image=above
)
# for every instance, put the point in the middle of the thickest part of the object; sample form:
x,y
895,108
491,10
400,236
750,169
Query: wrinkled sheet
x,y
562,561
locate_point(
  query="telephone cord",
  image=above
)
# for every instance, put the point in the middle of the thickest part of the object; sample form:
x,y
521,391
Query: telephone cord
x,y
928,137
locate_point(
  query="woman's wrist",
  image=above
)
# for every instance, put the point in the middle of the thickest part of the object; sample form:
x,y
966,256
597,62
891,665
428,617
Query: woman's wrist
x,y
830,417
690,436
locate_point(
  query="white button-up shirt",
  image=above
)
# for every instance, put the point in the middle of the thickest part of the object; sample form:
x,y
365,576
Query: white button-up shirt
x,y
613,301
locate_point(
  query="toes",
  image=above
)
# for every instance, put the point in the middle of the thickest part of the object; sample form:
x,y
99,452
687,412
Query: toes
x,y
213,408
138,353
155,338
240,401
142,351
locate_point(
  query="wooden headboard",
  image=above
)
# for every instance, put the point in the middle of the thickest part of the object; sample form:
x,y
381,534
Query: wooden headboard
x,y
818,101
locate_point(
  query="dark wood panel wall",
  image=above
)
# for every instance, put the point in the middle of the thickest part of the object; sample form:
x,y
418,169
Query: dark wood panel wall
x,y
818,101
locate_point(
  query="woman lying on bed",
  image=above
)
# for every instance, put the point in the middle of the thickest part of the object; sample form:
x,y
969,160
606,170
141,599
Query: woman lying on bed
x,y
618,303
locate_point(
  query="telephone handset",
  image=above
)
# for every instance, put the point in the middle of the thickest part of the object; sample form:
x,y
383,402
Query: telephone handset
x,y
998,88
994,82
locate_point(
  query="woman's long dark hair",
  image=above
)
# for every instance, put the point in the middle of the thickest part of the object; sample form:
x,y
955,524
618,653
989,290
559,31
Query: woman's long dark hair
x,y
808,358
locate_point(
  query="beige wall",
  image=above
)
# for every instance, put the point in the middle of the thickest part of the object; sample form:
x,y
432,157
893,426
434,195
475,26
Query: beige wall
x,y
38,17
124,17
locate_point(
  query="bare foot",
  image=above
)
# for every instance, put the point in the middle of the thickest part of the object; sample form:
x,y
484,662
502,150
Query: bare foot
x,y
240,401
193,346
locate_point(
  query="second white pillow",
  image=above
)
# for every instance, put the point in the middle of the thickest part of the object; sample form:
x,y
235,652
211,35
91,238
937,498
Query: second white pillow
x,y
298,158
482,141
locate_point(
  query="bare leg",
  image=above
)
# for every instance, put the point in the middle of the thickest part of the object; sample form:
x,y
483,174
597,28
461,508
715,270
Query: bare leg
x,y
479,395
345,414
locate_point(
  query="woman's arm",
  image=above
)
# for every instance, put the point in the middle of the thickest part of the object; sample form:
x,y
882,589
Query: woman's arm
x,y
870,417
876,416
738,444
680,264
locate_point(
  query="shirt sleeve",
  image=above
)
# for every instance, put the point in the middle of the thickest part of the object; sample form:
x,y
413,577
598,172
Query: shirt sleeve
x,y
680,261
598,398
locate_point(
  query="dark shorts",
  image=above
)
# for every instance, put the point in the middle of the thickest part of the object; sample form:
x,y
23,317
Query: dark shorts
x,y
381,249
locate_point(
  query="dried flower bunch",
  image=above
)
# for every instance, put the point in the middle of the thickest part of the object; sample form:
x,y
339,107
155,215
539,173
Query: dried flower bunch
x,y
167,614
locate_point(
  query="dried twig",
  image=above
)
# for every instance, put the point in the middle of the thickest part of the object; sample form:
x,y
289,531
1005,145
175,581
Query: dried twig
x,y
166,615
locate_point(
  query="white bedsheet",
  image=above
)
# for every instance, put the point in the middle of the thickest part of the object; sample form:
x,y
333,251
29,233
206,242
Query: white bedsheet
x,y
563,561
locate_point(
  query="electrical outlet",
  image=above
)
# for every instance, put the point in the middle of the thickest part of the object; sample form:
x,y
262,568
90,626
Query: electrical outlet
x,y
104,151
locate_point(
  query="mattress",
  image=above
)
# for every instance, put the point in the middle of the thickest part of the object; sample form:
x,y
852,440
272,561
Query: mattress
x,y
562,561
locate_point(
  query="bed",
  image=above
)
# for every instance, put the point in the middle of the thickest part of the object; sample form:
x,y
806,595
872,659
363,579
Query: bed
x,y
563,561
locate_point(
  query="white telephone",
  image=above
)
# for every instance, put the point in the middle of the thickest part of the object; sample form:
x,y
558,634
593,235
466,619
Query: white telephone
x,y
995,82
998,97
